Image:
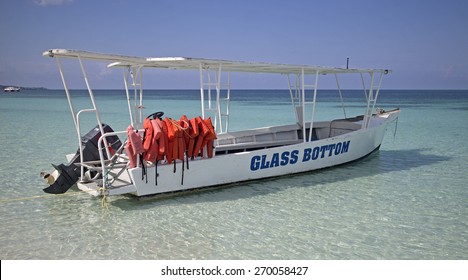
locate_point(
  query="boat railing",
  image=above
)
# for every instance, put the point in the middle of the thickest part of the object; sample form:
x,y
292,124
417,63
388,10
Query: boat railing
x,y
342,126
106,166
255,139
78,131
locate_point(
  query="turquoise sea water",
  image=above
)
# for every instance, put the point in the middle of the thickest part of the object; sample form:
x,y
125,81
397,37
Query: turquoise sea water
x,y
407,201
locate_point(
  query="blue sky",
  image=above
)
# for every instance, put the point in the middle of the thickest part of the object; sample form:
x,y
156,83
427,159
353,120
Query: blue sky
x,y
424,42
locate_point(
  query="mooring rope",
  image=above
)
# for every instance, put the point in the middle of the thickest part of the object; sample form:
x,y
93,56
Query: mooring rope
x,y
104,202
396,128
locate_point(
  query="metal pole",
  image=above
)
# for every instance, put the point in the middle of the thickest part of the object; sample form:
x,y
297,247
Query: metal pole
x,y
363,85
135,99
292,99
377,92
369,98
76,120
218,92
202,92
91,95
140,107
228,97
341,96
303,107
128,95
67,92
313,105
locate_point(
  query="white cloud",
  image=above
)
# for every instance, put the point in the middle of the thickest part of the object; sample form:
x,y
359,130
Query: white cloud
x,y
51,2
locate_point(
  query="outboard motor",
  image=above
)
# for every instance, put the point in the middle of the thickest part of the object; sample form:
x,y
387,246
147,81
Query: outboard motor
x,y
66,175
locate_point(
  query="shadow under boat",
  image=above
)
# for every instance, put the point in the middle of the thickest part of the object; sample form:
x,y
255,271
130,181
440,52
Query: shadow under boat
x,y
377,162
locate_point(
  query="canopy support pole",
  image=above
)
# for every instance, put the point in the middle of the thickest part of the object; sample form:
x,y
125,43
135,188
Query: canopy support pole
x,y
206,103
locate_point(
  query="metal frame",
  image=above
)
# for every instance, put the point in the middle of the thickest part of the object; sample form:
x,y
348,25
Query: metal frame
x,y
299,101
371,95
135,85
76,116
206,73
132,69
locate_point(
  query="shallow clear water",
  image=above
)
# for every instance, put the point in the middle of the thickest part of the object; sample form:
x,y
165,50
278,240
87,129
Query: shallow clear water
x,y
407,201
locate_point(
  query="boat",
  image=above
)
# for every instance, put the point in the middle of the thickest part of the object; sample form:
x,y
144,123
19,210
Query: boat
x,y
160,154
11,89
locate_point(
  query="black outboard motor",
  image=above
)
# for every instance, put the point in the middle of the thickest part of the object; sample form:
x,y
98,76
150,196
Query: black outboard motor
x,y
66,175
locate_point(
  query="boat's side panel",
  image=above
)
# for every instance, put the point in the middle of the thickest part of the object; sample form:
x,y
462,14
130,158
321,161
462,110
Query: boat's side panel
x,y
260,163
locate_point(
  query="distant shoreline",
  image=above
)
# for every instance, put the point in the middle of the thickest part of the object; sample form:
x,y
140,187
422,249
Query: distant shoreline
x,y
24,88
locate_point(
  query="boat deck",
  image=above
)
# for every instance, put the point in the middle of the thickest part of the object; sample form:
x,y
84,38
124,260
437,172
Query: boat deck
x,y
276,136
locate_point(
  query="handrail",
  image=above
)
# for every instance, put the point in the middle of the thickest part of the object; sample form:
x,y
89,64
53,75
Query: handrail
x,y
78,130
101,155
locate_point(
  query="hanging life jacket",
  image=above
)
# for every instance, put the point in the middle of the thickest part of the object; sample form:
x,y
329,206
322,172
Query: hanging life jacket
x,y
209,139
163,140
193,133
134,146
170,140
203,132
151,142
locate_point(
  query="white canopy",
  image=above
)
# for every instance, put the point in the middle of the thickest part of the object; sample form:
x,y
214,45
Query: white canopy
x,y
196,63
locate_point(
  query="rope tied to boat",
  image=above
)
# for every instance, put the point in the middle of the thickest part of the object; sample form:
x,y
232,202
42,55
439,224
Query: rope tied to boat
x,y
7,200
104,202
396,128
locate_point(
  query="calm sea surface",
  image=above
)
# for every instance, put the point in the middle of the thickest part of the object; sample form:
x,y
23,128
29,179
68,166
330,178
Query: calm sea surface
x,y
407,201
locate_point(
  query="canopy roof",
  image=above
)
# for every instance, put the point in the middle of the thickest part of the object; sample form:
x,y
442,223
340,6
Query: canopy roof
x,y
194,63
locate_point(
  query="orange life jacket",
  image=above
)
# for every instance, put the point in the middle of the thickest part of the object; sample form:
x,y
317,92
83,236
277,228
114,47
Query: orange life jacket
x,y
131,154
151,142
178,142
134,146
148,141
193,133
185,125
163,141
170,140
209,138
203,131
156,129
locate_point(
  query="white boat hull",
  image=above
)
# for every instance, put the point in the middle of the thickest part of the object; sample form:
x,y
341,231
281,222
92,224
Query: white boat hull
x,y
101,167
258,164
